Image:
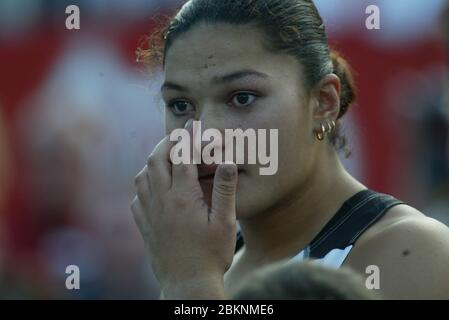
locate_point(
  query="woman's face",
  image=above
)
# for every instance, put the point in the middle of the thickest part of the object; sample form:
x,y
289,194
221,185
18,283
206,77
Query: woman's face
x,y
223,76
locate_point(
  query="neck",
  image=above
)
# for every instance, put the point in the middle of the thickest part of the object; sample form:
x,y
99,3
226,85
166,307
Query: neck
x,y
285,230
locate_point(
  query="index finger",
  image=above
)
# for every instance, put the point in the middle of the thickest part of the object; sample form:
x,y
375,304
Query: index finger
x,y
160,167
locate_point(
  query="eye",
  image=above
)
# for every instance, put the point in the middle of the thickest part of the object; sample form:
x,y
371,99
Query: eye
x,y
181,107
243,99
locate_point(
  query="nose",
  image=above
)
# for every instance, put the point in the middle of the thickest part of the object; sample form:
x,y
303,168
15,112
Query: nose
x,y
200,132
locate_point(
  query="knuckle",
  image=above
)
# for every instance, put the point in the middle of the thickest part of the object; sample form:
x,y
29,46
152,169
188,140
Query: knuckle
x,y
181,201
230,226
142,192
151,161
138,178
134,204
225,189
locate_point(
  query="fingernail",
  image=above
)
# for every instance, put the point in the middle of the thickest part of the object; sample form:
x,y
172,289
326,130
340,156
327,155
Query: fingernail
x,y
228,170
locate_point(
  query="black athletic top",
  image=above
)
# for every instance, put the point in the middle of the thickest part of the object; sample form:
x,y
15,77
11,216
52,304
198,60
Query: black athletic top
x,y
334,242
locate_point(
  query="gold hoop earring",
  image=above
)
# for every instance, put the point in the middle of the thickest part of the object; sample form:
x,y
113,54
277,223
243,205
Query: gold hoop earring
x,y
331,126
320,134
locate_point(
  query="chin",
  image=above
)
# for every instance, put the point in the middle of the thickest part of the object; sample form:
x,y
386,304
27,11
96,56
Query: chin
x,y
252,203
246,208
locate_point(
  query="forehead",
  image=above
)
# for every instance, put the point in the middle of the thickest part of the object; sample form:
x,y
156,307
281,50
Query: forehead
x,y
209,50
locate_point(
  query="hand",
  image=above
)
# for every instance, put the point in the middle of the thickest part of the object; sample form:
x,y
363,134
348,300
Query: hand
x,y
192,245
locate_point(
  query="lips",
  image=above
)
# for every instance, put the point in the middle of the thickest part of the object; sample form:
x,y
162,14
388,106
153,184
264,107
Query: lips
x,y
206,172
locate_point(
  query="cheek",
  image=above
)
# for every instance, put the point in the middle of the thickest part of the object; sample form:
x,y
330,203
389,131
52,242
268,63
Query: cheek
x,y
295,141
168,125
295,144
294,129
171,122
295,148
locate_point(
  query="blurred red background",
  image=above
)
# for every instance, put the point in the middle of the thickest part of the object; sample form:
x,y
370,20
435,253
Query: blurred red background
x,y
400,69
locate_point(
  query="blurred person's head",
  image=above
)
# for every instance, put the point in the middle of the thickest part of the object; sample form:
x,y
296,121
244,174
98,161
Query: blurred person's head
x,y
303,281
261,65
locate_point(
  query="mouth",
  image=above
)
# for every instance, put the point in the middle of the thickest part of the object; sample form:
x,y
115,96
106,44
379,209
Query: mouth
x,y
207,172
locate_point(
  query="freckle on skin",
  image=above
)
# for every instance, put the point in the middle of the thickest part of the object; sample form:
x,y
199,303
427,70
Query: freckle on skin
x,y
405,253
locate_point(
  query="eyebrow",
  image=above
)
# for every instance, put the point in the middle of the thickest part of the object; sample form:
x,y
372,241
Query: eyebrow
x,y
218,80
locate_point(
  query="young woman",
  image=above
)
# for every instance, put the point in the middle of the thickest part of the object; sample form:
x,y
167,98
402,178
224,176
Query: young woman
x,y
266,64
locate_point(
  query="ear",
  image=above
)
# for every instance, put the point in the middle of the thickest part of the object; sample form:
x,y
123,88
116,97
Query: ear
x,y
327,99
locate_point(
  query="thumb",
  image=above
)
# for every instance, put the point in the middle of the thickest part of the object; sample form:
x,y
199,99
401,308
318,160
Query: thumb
x,y
224,190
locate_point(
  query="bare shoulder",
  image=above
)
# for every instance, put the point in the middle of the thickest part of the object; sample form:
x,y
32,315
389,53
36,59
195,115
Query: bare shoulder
x,y
411,251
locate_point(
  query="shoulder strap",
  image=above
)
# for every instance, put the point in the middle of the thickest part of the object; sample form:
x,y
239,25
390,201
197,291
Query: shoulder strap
x,y
354,217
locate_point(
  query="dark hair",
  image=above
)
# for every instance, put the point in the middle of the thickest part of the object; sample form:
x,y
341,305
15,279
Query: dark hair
x,y
303,281
291,26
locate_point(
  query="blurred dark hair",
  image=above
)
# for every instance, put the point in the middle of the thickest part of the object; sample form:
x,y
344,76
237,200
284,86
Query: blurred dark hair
x,y
291,26
303,281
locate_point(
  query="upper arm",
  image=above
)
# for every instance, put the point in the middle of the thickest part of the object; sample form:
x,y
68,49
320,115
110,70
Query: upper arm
x,y
412,255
